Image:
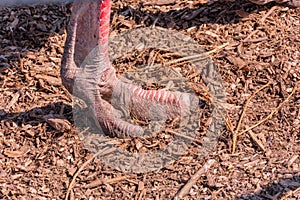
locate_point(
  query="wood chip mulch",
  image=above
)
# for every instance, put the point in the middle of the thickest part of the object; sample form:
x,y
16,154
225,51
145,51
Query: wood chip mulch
x,y
261,62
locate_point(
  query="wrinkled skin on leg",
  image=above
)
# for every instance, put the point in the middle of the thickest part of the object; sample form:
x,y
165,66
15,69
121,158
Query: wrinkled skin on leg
x,y
96,82
83,35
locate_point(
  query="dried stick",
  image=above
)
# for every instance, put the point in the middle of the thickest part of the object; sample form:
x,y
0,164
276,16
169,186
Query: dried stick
x,y
198,56
186,188
82,167
256,140
268,14
234,136
183,136
271,114
249,36
247,103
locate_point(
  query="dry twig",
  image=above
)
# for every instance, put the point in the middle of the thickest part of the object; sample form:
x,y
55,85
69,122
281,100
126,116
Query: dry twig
x,y
82,167
250,35
183,136
186,188
268,14
235,133
198,56
256,140
271,114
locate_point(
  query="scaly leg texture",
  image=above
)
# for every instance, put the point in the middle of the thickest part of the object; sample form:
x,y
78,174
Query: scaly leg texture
x,y
95,80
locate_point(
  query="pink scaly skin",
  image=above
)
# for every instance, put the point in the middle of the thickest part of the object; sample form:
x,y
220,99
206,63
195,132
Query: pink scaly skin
x,y
111,122
88,29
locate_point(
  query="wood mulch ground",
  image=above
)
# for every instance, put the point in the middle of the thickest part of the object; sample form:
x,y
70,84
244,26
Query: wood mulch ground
x,y
38,161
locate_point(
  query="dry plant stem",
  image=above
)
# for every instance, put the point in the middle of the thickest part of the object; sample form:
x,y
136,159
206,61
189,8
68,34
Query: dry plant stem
x,y
268,14
247,103
198,56
249,36
186,188
256,140
235,133
183,136
228,122
207,97
81,168
271,114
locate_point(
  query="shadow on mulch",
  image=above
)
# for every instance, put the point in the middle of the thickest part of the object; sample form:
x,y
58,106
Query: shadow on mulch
x,y
274,190
184,18
28,26
35,116
28,29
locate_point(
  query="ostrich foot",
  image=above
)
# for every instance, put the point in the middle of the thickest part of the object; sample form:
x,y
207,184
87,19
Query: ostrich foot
x,y
96,82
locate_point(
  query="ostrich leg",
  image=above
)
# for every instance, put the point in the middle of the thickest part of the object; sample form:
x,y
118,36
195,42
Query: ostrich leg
x,y
87,32
84,22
